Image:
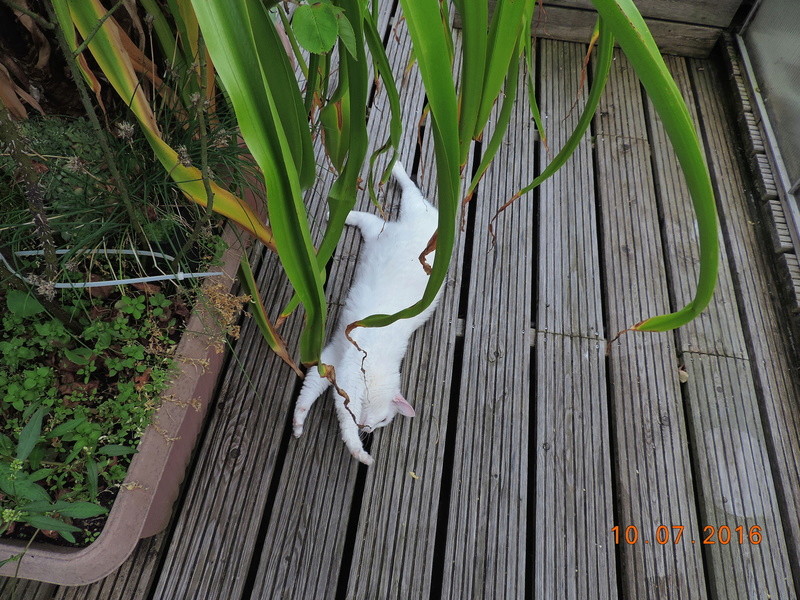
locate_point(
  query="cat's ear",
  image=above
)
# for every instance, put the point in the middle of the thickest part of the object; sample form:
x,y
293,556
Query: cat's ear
x,y
403,407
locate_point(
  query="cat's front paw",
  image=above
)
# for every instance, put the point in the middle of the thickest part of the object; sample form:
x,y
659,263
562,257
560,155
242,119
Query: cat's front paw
x,y
363,457
298,420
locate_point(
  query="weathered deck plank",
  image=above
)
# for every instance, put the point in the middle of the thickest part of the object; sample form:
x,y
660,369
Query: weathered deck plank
x,y
572,555
736,486
573,552
310,566
24,589
216,531
774,362
654,479
733,478
132,581
568,284
393,555
486,528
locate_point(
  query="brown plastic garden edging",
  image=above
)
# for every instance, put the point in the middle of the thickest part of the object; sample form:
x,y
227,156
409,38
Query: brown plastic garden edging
x,y
144,503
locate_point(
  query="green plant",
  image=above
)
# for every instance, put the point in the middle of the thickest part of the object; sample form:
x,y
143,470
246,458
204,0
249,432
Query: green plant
x,y
74,408
277,117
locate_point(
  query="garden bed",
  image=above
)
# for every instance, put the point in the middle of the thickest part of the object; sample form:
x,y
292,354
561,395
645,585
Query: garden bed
x,y
144,502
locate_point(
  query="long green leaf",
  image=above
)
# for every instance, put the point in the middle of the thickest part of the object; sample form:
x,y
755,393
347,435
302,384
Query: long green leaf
x,y
626,23
30,434
107,48
384,70
342,195
350,102
475,21
604,60
252,63
268,330
431,37
500,127
508,25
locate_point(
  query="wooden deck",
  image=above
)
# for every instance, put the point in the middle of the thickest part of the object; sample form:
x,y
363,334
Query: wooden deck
x,y
530,443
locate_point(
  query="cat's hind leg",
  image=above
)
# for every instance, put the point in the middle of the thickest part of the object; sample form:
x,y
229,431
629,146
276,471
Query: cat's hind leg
x,y
370,225
313,387
350,435
402,178
413,203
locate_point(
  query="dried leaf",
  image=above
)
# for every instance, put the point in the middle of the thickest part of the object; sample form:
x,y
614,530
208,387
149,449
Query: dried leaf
x,y
147,288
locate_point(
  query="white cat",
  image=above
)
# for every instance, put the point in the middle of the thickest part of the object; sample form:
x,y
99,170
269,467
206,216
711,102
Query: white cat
x,y
389,277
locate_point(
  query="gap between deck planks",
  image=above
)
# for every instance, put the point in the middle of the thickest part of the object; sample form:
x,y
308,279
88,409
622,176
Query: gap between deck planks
x,y
653,473
730,461
774,362
572,552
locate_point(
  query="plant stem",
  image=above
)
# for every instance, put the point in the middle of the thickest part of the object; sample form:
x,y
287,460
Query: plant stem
x,y
13,137
41,21
24,552
75,53
90,112
200,113
201,120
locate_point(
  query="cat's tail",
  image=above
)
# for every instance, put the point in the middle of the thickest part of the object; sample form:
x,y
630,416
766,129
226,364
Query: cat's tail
x,y
399,173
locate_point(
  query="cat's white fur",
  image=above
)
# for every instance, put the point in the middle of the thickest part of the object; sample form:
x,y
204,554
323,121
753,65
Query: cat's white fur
x,y
389,277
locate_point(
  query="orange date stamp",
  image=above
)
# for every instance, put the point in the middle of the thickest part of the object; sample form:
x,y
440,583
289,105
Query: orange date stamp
x,y
674,534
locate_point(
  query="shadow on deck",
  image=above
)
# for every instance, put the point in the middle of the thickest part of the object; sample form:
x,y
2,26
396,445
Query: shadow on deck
x,y
530,443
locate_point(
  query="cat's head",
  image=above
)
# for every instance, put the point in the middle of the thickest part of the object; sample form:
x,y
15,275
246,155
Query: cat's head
x,y
380,412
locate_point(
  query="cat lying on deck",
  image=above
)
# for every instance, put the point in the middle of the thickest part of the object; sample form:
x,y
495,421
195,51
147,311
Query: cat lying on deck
x,y
389,277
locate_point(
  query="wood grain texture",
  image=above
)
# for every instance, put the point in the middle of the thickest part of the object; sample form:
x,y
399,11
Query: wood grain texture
x,y
654,479
673,35
718,13
573,556
734,480
567,274
25,589
775,362
132,581
573,549
393,555
736,487
487,524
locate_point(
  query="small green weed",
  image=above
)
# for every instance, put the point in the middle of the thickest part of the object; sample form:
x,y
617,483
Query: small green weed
x,y
74,408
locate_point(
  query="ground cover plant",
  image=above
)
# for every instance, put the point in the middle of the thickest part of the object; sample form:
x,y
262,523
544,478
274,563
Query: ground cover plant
x,y
74,407
82,369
